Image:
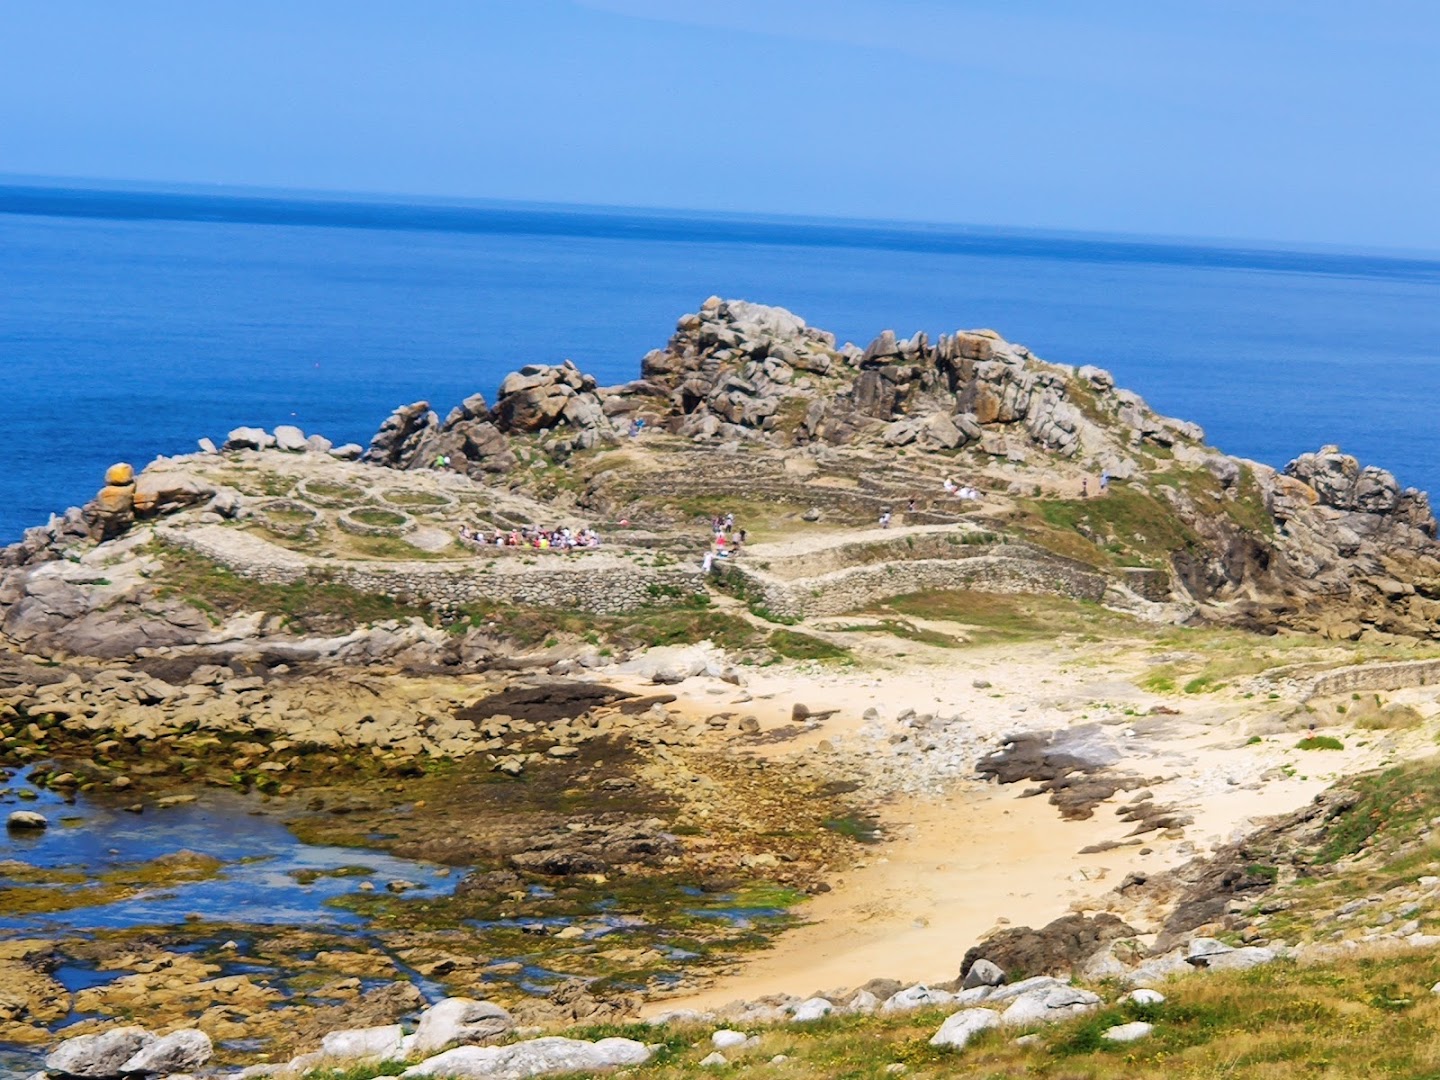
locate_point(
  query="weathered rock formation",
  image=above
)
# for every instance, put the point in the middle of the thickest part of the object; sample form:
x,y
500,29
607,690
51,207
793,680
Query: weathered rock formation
x,y
1325,545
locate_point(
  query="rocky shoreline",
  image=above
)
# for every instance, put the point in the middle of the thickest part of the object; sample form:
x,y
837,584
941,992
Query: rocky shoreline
x,y
628,772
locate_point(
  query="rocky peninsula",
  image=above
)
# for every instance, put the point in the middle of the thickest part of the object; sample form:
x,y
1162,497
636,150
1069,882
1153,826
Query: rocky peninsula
x,y
925,690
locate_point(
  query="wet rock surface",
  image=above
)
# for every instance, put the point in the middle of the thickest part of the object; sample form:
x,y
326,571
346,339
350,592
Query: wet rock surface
x,y
1073,768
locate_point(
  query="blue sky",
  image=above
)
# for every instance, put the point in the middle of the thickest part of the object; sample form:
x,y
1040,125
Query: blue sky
x,y
1302,122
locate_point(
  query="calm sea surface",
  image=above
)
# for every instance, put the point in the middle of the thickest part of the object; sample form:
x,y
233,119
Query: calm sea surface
x,y
132,324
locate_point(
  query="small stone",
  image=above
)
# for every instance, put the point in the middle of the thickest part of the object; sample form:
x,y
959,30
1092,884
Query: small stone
x,y
1128,1032
714,1060
725,1038
811,1009
1145,996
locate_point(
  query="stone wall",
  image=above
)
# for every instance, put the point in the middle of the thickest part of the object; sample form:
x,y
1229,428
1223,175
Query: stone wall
x,y
805,560
597,582
1373,677
998,568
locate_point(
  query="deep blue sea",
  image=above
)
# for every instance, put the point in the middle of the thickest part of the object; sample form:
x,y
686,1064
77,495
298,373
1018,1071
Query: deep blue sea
x,y
132,323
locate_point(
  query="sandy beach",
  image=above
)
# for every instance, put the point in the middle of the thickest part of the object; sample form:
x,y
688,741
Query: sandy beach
x,y
971,856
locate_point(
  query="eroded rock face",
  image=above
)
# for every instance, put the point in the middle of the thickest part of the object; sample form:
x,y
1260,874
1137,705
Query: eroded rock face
x,y
402,437
101,1055
1055,949
1339,481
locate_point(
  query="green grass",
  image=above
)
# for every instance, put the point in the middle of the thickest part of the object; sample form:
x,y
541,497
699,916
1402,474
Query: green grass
x,y
378,518
797,646
1390,804
1202,684
414,498
307,605
1319,742
329,489
361,1072
1008,617
1366,1017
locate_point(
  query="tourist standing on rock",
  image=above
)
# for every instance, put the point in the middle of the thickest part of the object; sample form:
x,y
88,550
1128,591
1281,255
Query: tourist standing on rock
x,y
1084,487
1104,482
885,519
910,507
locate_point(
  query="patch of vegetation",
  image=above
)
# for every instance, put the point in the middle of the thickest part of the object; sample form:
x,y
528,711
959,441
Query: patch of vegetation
x,y
1004,617
330,489
309,605
794,645
368,1071
31,891
692,618
1390,804
408,497
1128,526
760,611
1320,742
375,516
1353,1018
859,827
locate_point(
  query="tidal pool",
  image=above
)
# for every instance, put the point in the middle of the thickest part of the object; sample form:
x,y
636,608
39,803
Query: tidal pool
x,y
265,875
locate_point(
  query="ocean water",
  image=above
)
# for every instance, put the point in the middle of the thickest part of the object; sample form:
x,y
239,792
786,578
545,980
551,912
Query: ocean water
x,y
133,323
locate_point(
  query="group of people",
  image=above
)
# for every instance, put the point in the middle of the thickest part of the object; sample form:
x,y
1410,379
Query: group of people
x,y
727,540
561,539
961,491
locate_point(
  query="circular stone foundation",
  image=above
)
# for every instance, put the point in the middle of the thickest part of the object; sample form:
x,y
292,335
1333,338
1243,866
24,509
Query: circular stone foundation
x,y
330,494
375,521
418,502
287,517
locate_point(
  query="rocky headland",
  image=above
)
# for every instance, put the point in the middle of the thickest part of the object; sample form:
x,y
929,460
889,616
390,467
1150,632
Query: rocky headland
x,y
996,713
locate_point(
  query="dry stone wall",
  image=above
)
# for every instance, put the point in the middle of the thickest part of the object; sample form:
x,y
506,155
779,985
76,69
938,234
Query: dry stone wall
x,y
595,582
1377,677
